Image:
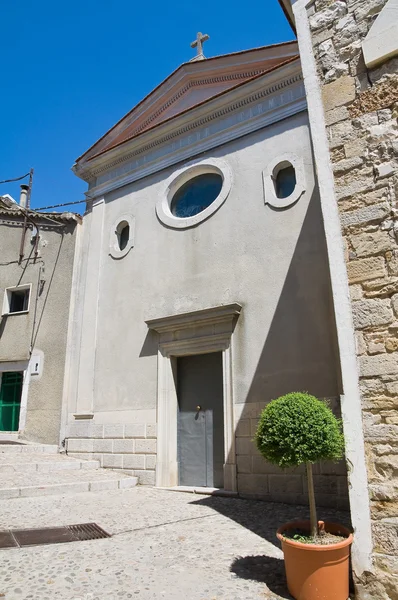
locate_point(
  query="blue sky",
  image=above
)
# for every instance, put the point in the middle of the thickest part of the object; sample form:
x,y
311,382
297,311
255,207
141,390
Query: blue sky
x,y
70,70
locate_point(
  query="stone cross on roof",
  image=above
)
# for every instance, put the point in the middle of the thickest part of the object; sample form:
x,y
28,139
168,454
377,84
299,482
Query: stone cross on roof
x,y
198,44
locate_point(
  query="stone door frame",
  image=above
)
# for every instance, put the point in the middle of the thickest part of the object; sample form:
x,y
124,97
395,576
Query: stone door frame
x,y
199,332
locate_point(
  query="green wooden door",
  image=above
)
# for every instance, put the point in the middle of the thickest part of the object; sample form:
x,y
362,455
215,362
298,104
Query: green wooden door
x,y
10,401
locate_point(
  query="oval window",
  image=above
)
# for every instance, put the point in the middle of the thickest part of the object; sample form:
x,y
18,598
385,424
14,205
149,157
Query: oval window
x,y
285,181
123,235
196,195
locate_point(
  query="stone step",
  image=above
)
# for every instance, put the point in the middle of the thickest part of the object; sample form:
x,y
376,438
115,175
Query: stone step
x,y
14,485
43,463
28,448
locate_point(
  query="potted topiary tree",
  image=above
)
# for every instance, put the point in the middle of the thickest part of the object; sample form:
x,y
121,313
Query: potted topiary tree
x,y
300,429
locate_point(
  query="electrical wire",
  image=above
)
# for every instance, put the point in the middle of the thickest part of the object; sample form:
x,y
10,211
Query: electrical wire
x,y
65,204
16,179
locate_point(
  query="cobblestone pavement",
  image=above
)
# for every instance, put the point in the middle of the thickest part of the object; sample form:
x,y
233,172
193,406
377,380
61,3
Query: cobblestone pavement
x,y
165,545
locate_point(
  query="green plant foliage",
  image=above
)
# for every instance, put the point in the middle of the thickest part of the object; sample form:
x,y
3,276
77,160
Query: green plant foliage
x,y
298,428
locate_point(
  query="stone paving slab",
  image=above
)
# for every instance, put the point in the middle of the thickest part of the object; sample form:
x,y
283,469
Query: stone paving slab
x,y
28,448
44,483
30,462
165,545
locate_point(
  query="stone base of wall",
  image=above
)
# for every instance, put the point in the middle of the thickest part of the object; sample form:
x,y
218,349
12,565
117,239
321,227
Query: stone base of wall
x,y
130,447
259,479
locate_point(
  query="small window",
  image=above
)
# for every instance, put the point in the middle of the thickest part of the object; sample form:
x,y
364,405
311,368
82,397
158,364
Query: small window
x,y
16,300
285,181
123,235
196,195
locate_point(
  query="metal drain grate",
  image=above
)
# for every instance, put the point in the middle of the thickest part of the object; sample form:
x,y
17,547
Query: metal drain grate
x,y
51,535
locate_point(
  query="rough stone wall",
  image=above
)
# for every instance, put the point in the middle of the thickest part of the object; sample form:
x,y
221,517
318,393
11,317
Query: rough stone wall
x,y
361,109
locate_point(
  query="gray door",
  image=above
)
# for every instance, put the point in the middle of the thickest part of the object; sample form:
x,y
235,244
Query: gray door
x,y
200,420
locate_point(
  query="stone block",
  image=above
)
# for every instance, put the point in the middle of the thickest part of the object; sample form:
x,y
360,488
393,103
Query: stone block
x,y
150,461
106,484
385,537
326,18
145,446
348,164
55,489
244,445
337,114
366,268
286,484
246,411
128,482
325,484
79,429
102,445
360,343
145,477
381,434
391,344
366,244
372,313
356,292
338,93
375,343
380,364
260,465
124,446
88,465
253,427
252,484
367,214
113,431
134,430
134,461
394,304
151,430
355,147
243,428
333,468
244,464
350,184
384,170
112,461
80,445
97,431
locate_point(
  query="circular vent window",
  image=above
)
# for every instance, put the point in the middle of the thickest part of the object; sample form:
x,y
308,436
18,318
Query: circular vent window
x,y
196,195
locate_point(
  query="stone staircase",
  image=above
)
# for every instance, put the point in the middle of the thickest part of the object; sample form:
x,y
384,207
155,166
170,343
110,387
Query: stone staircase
x,y
28,470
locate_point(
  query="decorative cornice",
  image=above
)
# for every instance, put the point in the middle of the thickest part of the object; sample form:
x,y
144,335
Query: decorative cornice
x,y
198,318
191,84
219,123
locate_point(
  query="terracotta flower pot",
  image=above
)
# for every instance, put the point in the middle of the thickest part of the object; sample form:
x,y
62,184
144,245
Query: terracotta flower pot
x,y
316,572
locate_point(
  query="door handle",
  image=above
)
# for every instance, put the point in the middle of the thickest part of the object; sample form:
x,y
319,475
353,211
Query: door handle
x,y
198,408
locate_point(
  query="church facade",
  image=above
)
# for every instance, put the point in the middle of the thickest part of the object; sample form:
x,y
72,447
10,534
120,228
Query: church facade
x,y
204,287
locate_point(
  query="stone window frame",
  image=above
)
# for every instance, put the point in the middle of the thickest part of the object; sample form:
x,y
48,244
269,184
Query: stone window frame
x,y
182,176
7,299
198,332
284,160
114,249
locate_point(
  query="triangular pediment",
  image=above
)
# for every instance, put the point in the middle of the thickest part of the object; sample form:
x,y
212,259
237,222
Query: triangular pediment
x,y
191,85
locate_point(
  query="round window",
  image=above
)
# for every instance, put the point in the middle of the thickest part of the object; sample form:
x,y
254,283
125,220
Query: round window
x,y
285,181
196,195
121,236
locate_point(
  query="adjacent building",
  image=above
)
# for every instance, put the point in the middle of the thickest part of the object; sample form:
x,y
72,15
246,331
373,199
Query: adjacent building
x,y
36,271
349,56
